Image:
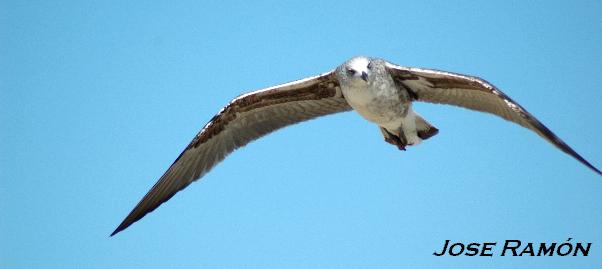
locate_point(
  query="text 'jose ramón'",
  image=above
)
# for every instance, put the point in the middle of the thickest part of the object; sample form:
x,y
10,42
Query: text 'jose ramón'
x,y
515,248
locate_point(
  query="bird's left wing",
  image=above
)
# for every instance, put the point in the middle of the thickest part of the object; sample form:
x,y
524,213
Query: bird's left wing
x,y
474,93
243,120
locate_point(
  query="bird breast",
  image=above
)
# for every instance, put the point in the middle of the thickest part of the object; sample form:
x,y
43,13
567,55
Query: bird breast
x,y
377,103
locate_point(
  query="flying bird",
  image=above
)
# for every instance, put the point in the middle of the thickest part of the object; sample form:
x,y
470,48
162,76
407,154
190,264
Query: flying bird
x,y
379,91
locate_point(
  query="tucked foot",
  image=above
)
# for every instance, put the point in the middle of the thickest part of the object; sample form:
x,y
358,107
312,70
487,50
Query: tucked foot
x,y
393,139
425,130
427,133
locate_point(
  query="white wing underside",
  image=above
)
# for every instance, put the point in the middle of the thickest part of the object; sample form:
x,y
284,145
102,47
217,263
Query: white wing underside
x,y
243,120
474,93
258,113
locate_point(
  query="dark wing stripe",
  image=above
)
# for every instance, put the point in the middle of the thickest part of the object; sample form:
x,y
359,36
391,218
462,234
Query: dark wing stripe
x,y
473,93
243,120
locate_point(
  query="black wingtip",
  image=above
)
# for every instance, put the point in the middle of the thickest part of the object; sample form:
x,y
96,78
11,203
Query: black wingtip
x,y
116,231
581,159
120,228
593,168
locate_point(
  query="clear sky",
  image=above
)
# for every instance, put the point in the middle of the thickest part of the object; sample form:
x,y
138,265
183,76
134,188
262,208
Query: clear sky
x,y
97,98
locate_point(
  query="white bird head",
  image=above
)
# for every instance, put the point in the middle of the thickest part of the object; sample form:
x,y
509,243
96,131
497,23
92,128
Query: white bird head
x,y
355,70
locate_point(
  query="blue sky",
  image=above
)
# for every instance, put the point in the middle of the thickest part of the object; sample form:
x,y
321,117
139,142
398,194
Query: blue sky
x,y
97,99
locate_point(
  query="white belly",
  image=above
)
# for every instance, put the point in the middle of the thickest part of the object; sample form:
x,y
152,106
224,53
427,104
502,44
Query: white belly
x,y
381,106
384,107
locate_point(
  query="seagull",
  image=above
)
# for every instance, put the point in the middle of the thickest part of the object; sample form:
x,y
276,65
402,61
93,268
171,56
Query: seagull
x,y
381,92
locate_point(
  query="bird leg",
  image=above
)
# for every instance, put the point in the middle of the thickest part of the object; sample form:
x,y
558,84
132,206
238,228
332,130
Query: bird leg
x,y
399,141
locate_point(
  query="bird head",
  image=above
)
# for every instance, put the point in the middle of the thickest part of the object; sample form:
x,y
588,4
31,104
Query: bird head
x,y
356,70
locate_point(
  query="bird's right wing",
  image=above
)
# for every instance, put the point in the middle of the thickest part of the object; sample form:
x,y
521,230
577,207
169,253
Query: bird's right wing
x,y
243,120
474,93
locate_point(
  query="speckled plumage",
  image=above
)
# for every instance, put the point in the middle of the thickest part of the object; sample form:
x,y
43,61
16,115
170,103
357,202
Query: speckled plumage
x,y
379,91
378,99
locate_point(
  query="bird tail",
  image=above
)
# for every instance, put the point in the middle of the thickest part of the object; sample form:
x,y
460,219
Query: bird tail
x,y
424,129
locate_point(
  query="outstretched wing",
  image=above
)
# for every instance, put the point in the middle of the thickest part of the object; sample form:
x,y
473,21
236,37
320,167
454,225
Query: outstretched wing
x,y
473,93
243,120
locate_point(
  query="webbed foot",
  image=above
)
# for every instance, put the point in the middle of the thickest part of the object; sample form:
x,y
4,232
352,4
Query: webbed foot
x,y
395,140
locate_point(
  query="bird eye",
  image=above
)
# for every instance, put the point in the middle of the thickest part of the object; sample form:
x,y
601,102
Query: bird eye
x,y
351,71
369,65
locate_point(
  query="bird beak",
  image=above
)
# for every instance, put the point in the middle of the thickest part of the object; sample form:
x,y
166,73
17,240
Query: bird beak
x,y
365,76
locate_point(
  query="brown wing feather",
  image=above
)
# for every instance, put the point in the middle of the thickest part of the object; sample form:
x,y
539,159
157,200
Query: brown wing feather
x,y
243,120
473,93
